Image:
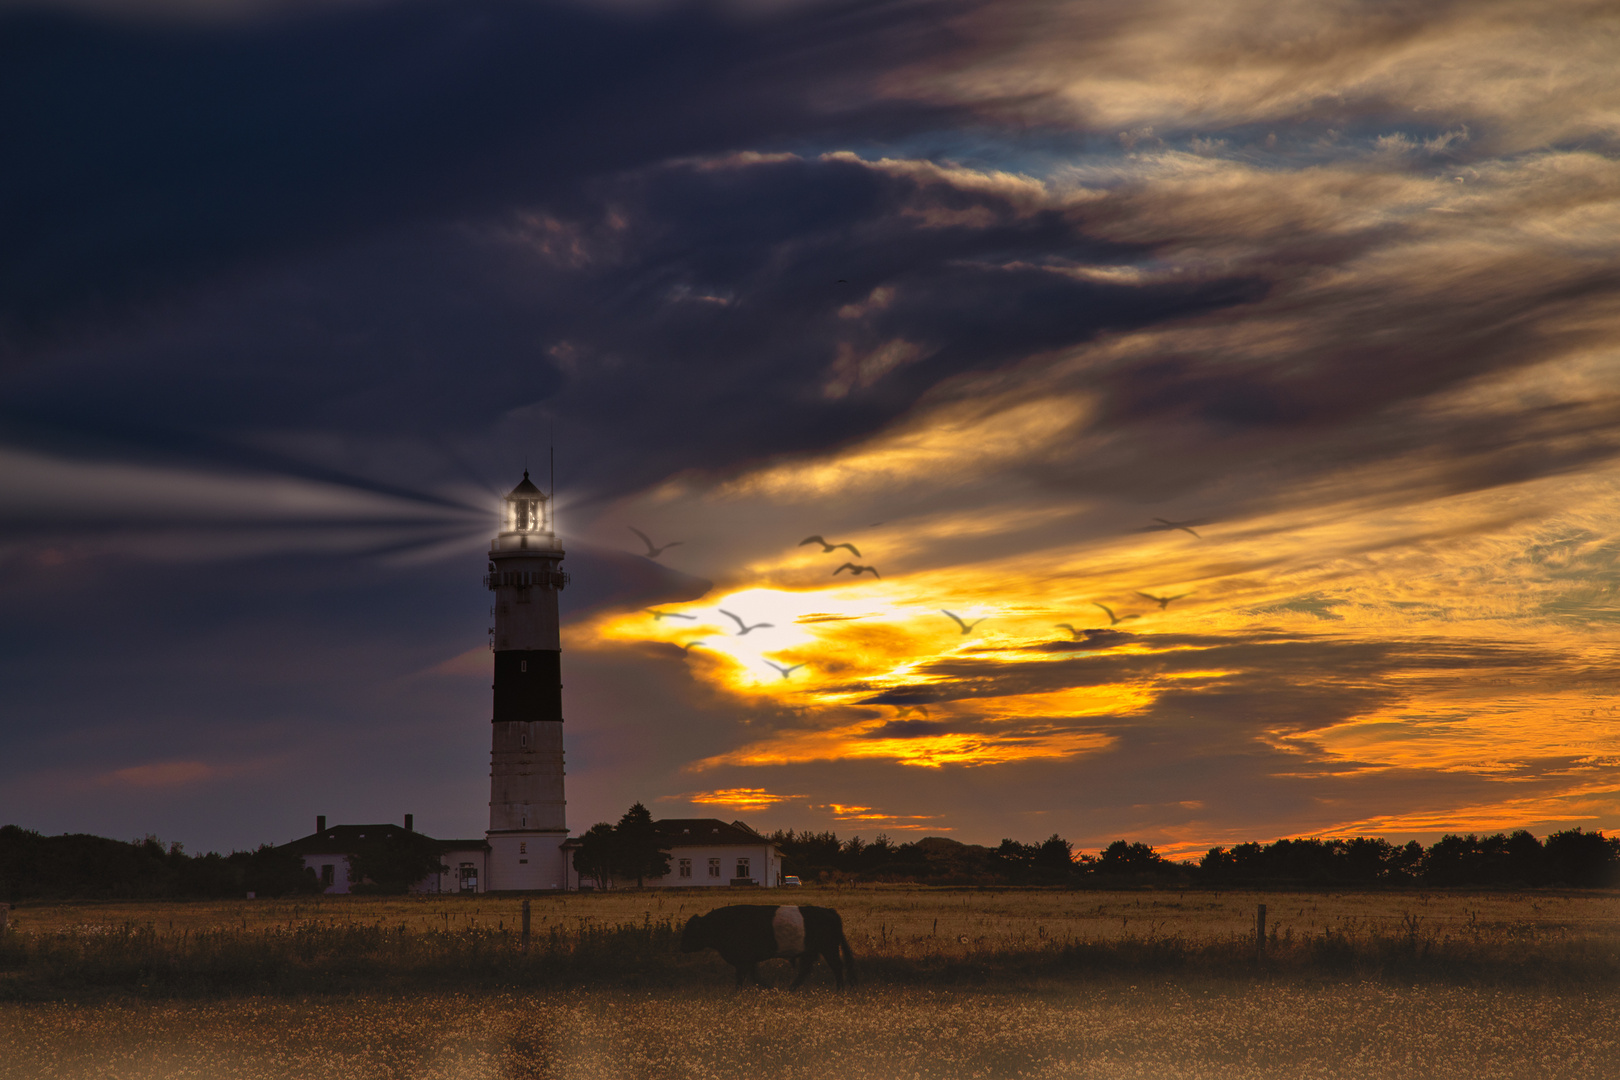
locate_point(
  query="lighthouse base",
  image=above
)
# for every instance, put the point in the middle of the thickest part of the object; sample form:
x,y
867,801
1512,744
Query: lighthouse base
x,y
530,859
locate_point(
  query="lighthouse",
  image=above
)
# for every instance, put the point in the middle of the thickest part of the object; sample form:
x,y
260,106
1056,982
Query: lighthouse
x,y
527,825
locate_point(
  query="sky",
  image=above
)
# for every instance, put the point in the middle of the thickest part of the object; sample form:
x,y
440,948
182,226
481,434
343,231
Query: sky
x,y
1225,395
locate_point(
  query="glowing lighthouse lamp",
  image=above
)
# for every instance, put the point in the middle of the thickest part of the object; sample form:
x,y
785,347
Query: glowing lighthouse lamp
x,y
526,804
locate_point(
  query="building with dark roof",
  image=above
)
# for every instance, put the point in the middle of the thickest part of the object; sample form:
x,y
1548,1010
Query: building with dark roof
x,y
326,851
705,852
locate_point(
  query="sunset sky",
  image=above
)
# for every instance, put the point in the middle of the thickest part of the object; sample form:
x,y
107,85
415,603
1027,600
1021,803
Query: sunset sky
x,y
997,292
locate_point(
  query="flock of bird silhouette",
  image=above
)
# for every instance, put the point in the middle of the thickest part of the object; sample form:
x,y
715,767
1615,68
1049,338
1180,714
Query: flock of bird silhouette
x,y
856,570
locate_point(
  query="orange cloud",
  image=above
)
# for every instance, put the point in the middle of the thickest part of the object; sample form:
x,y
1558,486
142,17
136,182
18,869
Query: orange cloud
x,y
740,799
857,815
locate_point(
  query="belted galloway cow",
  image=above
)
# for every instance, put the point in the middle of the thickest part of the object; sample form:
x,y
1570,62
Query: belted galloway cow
x,y
745,934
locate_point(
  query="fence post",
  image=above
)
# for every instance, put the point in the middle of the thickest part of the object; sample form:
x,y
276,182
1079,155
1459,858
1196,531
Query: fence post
x,y
1260,934
525,926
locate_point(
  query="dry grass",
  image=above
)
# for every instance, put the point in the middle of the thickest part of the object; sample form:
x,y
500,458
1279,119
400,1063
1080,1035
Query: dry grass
x,y
900,920
1163,1029
957,984
902,935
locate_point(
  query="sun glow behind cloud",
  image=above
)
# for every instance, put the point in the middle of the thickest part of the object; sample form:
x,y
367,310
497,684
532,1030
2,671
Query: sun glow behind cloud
x,y
888,677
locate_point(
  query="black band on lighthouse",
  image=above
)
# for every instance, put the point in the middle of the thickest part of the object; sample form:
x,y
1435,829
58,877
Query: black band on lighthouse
x,y
528,685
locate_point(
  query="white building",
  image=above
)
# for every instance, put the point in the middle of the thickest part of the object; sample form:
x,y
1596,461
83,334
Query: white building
x,y
706,852
326,851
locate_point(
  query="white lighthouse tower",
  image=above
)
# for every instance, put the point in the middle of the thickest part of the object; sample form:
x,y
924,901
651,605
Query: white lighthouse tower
x,y
526,807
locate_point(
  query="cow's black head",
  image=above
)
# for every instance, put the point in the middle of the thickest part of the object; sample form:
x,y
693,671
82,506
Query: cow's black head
x,y
693,937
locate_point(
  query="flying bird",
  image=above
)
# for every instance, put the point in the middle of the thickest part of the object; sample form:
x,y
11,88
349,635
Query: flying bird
x,y
826,547
1184,526
907,710
1072,631
1162,601
653,552
841,281
660,616
966,627
742,627
786,671
690,645
1114,620
857,571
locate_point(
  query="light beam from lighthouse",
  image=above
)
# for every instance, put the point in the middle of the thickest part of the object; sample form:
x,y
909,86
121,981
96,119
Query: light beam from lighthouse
x,y
527,825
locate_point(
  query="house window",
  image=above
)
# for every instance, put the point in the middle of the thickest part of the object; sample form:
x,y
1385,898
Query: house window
x,y
523,845
742,868
327,875
714,867
686,868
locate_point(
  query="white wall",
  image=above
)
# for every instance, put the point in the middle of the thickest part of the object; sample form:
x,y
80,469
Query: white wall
x,y
449,881
764,866
446,882
340,871
525,861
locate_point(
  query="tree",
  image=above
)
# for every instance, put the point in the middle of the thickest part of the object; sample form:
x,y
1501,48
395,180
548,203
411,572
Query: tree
x,y
639,855
1581,859
807,854
1012,859
597,856
1217,864
1055,856
1133,858
271,871
1367,859
1524,859
390,863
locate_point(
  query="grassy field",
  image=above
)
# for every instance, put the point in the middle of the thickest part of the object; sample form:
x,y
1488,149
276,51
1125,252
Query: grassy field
x,y
955,983
908,921
1161,1029
898,931
901,935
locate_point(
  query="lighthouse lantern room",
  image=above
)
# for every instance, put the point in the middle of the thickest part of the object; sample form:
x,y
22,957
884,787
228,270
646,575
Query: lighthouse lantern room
x,y
527,824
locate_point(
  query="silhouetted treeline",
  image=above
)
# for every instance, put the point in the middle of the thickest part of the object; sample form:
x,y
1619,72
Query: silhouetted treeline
x,y
83,867
1572,858
79,866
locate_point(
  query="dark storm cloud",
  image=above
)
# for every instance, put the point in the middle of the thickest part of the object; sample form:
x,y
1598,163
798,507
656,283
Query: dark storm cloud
x,y
694,304
150,155
730,307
